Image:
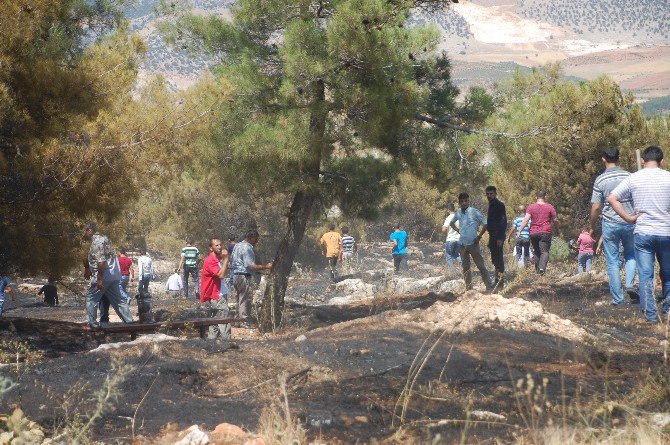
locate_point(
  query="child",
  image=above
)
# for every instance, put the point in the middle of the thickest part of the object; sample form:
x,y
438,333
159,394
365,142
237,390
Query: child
x,y
347,244
585,257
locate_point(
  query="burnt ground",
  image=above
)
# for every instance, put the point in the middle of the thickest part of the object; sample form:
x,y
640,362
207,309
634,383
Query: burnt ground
x,y
349,375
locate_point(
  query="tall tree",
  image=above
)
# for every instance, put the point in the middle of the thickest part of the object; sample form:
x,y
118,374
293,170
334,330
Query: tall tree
x,y
325,96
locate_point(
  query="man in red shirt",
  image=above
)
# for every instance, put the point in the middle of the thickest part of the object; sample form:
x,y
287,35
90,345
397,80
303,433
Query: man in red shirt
x,y
214,268
543,219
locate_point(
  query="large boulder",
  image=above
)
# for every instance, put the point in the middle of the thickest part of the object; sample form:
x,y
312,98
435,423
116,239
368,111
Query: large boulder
x,y
353,289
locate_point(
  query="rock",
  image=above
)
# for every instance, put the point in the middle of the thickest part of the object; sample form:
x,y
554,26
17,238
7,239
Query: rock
x,y
301,338
415,252
193,436
453,286
660,420
362,419
255,441
320,420
409,285
488,415
352,289
228,430
437,254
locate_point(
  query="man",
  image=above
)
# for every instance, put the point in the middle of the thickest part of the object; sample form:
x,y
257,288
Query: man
x,y
50,292
649,190
543,221
102,268
347,247
145,272
469,220
451,246
399,239
214,269
6,286
616,232
496,224
522,244
189,265
244,266
127,273
330,246
174,286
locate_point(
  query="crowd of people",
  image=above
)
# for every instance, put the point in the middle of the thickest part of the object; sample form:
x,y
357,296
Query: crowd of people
x,y
633,208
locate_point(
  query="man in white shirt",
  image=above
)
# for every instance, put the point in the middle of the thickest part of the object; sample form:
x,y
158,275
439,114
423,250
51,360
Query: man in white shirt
x,y
649,189
174,285
451,247
145,273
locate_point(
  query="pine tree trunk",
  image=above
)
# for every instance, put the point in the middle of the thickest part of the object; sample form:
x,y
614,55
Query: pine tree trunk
x,y
273,301
270,316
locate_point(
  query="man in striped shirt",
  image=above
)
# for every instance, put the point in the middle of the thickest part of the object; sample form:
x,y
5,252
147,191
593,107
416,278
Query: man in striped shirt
x,y
649,189
189,265
615,231
522,245
347,244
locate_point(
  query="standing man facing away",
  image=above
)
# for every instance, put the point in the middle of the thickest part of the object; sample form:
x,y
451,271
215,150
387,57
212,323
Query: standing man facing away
x,y
451,247
102,268
244,266
616,232
50,292
330,246
214,268
399,239
6,286
496,224
522,244
348,245
470,219
127,271
145,272
649,189
543,220
189,265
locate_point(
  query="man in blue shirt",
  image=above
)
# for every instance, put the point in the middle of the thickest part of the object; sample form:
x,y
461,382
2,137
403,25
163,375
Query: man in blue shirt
x,y
399,240
469,220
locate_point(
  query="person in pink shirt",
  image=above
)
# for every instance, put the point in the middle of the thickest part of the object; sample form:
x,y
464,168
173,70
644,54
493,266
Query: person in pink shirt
x,y
585,256
543,222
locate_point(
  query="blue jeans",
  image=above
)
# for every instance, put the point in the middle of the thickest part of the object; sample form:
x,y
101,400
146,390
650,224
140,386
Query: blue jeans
x,y
452,253
584,262
194,274
112,291
648,248
615,235
125,279
143,285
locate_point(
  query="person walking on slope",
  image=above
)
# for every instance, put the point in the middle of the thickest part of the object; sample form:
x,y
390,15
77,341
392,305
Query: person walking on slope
x,y
617,234
189,266
649,190
127,273
348,245
522,244
399,239
451,247
6,286
470,219
214,269
145,272
543,221
496,224
331,242
102,268
50,292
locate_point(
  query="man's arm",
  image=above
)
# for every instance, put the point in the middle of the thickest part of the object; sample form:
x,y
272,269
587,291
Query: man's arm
x,y
87,269
56,294
181,263
596,211
10,291
41,290
224,264
620,210
509,233
599,249
101,268
131,269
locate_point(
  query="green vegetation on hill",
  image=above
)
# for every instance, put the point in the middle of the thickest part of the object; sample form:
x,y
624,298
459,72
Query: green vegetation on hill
x,y
658,105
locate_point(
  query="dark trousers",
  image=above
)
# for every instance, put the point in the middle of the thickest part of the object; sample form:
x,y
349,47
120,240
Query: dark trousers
x,y
497,256
400,262
104,309
541,243
523,248
193,273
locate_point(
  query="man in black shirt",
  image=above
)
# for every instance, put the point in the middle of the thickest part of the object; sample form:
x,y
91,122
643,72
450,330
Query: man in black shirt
x,y
50,293
496,224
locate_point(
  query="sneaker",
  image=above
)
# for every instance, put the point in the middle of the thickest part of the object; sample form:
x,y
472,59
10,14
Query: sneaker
x,y
633,294
540,271
94,324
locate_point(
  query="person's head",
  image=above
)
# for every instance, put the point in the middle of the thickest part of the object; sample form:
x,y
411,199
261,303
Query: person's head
x,y
344,230
652,154
450,206
463,200
189,241
522,209
122,250
50,279
231,239
541,195
89,230
491,192
397,227
611,155
176,271
331,227
215,246
252,237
